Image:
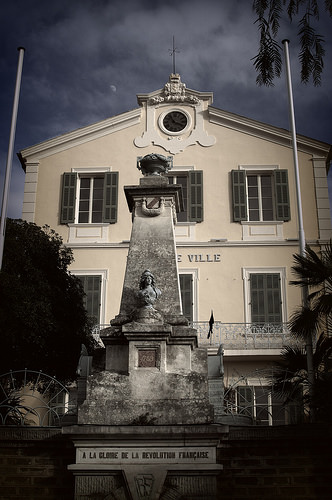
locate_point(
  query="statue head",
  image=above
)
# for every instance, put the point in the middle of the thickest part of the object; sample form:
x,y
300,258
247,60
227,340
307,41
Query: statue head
x,y
147,278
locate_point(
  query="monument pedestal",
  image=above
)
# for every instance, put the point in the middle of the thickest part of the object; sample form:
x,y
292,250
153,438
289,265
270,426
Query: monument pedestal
x,y
146,462
153,374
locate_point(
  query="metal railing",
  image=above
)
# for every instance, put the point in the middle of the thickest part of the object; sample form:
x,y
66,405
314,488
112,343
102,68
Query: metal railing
x,y
244,336
239,336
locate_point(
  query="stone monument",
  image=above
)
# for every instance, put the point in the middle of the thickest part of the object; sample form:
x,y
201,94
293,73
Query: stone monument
x,y
145,429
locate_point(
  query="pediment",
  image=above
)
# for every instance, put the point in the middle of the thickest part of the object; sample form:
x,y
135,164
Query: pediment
x,y
267,132
174,93
80,136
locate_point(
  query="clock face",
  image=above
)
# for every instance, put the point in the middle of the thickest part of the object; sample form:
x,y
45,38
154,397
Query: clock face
x,y
175,121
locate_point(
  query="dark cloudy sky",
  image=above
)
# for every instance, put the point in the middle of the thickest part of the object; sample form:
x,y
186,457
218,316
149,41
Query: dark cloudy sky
x,y
86,60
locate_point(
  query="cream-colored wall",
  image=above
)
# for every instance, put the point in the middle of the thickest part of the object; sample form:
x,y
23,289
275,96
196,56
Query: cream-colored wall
x,y
232,149
220,282
219,271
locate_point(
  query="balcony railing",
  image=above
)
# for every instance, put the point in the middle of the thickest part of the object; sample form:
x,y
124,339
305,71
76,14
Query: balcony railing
x,y
239,336
243,336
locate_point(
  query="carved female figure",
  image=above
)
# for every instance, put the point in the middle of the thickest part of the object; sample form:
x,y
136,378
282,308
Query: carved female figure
x,y
148,293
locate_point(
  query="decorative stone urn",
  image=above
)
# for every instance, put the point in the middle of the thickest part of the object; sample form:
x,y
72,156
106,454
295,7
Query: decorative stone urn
x,y
154,164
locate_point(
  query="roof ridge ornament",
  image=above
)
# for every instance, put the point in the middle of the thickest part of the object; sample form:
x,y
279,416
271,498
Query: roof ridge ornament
x,y
174,91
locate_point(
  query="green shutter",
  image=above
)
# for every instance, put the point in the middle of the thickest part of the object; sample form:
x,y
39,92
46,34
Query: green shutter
x,y
265,297
282,195
92,299
239,195
67,214
186,286
195,196
110,205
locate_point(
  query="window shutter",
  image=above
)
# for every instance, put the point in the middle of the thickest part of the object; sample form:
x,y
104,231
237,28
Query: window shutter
x,y
265,296
239,195
186,287
282,195
110,205
92,299
195,196
67,214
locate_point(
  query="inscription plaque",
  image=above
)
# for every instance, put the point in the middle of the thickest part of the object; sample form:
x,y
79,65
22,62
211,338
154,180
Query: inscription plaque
x,y
147,358
134,455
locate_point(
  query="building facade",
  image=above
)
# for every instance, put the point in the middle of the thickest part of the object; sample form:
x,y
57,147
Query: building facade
x,y
236,234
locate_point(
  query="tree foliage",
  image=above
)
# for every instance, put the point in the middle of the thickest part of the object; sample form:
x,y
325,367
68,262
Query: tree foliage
x,y
42,318
314,272
268,61
290,380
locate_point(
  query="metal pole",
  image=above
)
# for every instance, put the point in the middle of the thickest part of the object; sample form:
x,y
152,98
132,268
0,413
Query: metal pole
x,y
10,153
295,157
309,347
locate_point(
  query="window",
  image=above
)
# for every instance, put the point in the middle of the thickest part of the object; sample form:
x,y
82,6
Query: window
x,y
265,294
266,407
90,205
186,287
192,191
92,300
265,300
260,196
89,198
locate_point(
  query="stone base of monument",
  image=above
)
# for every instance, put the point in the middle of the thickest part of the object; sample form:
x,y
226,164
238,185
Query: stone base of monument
x,y
146,462
150,375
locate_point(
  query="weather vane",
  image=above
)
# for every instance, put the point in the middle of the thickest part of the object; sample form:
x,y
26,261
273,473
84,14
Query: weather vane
x,y
172,53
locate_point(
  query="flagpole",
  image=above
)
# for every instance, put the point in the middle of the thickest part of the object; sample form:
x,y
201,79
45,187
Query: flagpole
x,y
10,153
295,155
302,244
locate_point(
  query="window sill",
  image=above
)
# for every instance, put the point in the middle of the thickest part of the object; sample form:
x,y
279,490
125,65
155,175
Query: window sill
x,y
88,233
262,231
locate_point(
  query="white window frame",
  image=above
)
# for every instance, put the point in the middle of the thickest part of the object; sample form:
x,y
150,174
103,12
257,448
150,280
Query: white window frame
x,y
103,273
181,171
259,170
255,405
194,273
246,272
86,172
184,231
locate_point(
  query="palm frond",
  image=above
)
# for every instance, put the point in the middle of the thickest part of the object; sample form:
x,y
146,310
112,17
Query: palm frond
x,y
292,358
304,322
328,6
322,303
275,10
268,61
312,51
292,9
310,268
323,350
260,6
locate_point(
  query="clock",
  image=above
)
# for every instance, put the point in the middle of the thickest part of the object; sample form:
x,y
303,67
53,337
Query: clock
x,y
175,121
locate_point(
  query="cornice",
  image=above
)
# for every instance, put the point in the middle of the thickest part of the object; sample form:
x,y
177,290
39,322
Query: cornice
x,y
267,132
80,136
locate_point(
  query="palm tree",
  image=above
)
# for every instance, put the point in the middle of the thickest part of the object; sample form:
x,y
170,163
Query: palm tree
x,y
312,320
314,273
290,379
